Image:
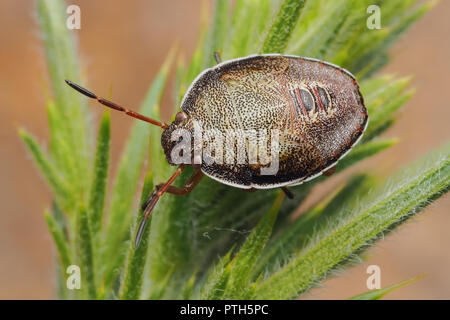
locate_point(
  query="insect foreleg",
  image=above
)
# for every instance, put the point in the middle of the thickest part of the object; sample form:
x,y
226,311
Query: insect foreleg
x,y
151,202
188,186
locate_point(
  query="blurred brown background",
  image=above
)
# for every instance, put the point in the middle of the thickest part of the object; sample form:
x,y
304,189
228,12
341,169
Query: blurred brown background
x,y
122,44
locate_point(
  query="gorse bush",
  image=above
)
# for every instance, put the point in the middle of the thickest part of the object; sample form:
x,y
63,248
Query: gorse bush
x,y
219,242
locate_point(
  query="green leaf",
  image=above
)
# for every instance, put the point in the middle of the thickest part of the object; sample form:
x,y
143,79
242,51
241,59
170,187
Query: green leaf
x,y
179,81
189,287
137,257
380,293
385,113
159,290
217,281
59,144
365,150
263,10
85,254
100,177
56,183
126,180
60,241
346,31
242,25
250,251
375,214
58,228
291,238
314,41
217,33
171,235
280,32
195,65
364,66
62,64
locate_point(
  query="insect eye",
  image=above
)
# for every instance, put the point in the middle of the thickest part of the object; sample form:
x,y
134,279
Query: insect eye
x,y
307,99
180,116
323,97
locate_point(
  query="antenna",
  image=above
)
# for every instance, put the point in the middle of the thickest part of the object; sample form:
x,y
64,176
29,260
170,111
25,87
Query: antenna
x,y
115,106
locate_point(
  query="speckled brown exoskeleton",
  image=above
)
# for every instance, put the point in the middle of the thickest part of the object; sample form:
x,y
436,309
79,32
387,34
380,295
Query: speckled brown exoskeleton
x,y
316,107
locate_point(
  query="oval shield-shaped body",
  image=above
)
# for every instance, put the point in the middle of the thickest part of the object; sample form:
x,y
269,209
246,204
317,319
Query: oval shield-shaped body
x,y
303,113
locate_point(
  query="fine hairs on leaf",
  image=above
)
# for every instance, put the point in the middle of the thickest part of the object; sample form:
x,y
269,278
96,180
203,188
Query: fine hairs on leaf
x,y
219,242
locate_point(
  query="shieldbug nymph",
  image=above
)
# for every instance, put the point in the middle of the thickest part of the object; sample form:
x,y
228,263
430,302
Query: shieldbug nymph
x,y
313,108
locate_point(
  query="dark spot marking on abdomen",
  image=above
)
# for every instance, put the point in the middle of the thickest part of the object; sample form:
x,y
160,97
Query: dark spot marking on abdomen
x,y
324,98
307,99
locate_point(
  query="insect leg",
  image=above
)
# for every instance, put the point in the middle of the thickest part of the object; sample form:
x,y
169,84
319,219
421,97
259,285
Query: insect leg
x,y
287,192
115,106
188,186
156,194
330,171
217,57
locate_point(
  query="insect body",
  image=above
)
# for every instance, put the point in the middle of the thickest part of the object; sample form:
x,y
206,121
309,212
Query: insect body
x,y
311,111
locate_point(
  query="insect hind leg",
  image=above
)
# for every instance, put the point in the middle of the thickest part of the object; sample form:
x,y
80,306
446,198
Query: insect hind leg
x,y
287,192
217,57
